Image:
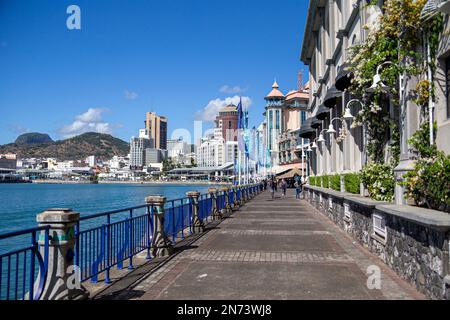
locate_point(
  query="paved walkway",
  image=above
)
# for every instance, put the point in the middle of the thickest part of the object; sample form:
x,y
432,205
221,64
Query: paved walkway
x,y
269,249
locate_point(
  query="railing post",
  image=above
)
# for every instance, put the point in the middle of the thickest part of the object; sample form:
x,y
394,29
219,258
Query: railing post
x,y
241,195
235,201
197,223
227,208
216,214
63,279
161,245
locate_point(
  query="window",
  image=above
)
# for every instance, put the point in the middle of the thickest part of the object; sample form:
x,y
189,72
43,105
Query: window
x,y
447,76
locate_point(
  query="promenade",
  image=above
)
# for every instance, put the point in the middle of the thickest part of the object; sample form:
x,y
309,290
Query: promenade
x,y
269,249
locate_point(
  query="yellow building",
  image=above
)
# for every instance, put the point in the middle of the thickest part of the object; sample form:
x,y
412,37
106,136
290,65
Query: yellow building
x,y
156,127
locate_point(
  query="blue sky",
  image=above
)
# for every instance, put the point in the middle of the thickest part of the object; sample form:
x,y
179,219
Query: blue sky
x,y
174,57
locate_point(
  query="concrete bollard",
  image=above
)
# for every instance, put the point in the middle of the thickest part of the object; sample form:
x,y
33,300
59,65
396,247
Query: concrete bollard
x,y
63,277
227,208
197,223
235,201
216,214
161,245
242,193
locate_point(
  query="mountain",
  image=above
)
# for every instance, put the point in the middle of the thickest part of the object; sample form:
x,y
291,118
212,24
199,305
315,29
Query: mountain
x,y
104,146
33,138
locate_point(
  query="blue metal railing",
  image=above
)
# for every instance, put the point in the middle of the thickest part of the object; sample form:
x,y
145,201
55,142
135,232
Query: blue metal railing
x,y
23,270
103,241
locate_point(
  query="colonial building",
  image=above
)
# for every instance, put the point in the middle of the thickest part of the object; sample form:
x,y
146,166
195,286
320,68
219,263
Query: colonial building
x,y
338,145
284,116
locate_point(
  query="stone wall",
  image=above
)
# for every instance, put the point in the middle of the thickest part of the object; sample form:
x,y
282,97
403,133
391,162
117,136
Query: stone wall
x,y
413,241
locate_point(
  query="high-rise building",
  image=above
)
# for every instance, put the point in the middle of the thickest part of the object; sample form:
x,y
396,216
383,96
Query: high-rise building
x,y
137,152
156,128
227,121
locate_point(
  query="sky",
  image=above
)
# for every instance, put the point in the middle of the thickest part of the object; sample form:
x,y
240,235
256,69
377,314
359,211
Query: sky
x,y
183,59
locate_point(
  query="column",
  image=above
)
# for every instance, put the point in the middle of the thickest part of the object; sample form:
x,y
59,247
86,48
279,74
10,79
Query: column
x,y
197,223
63,281
216,214
161,245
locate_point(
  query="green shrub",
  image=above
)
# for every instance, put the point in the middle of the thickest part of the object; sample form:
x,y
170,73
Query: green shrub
x,y
379,181
312,181
352,183
335,182
429,183
325,182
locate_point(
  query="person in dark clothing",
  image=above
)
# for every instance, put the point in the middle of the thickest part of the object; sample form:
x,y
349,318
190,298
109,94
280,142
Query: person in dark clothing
x,y
283,185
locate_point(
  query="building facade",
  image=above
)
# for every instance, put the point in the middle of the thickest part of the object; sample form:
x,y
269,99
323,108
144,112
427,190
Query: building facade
x,y
137,152
156,128
339,145
284,115
227,120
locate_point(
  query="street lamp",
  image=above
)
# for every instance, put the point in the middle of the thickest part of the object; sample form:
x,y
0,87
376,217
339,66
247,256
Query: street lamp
x,y
377,82
321,138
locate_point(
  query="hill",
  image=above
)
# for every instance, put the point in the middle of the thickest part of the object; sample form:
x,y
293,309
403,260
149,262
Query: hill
x,y
104,146
33,138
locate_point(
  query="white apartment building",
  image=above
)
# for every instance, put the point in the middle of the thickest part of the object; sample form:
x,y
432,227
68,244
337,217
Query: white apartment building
x,y
214,151
137,152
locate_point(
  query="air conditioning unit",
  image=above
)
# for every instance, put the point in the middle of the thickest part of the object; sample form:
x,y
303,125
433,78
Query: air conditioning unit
x,y
347,214
379,225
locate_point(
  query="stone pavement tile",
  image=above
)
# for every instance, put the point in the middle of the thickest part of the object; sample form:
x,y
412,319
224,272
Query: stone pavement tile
x,y
274,242
244,281
281,249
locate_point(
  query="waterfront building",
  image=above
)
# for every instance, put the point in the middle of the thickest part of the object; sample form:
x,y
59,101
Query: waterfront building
x,y
154,156
179,151
274,121
332,29
156,129
284,116
91,161
8,162
227,121
221,147
137,152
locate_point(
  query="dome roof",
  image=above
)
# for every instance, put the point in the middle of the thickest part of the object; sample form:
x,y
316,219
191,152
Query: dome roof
x,y
275,93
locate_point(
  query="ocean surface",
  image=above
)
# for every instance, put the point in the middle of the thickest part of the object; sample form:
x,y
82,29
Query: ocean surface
x,y
20,203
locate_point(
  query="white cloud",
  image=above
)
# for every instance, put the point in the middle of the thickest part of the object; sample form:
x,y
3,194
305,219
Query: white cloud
x,y
231,90
90,121
210,112
130,95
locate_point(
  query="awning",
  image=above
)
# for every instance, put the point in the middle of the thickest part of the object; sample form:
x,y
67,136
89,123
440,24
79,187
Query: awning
x,y
306,131
316,123
331,97
344,77
292,173
323,112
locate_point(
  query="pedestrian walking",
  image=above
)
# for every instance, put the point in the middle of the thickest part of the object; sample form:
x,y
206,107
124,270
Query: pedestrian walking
x,y
273,188
298,189
283,186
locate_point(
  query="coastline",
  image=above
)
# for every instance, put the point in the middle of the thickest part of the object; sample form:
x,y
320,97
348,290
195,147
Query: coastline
x,y
134,182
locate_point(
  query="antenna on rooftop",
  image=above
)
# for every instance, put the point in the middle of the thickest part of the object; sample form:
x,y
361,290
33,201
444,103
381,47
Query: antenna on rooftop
x,y
300,80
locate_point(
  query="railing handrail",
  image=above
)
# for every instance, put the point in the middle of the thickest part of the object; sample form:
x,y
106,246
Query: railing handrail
x,y
22,232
